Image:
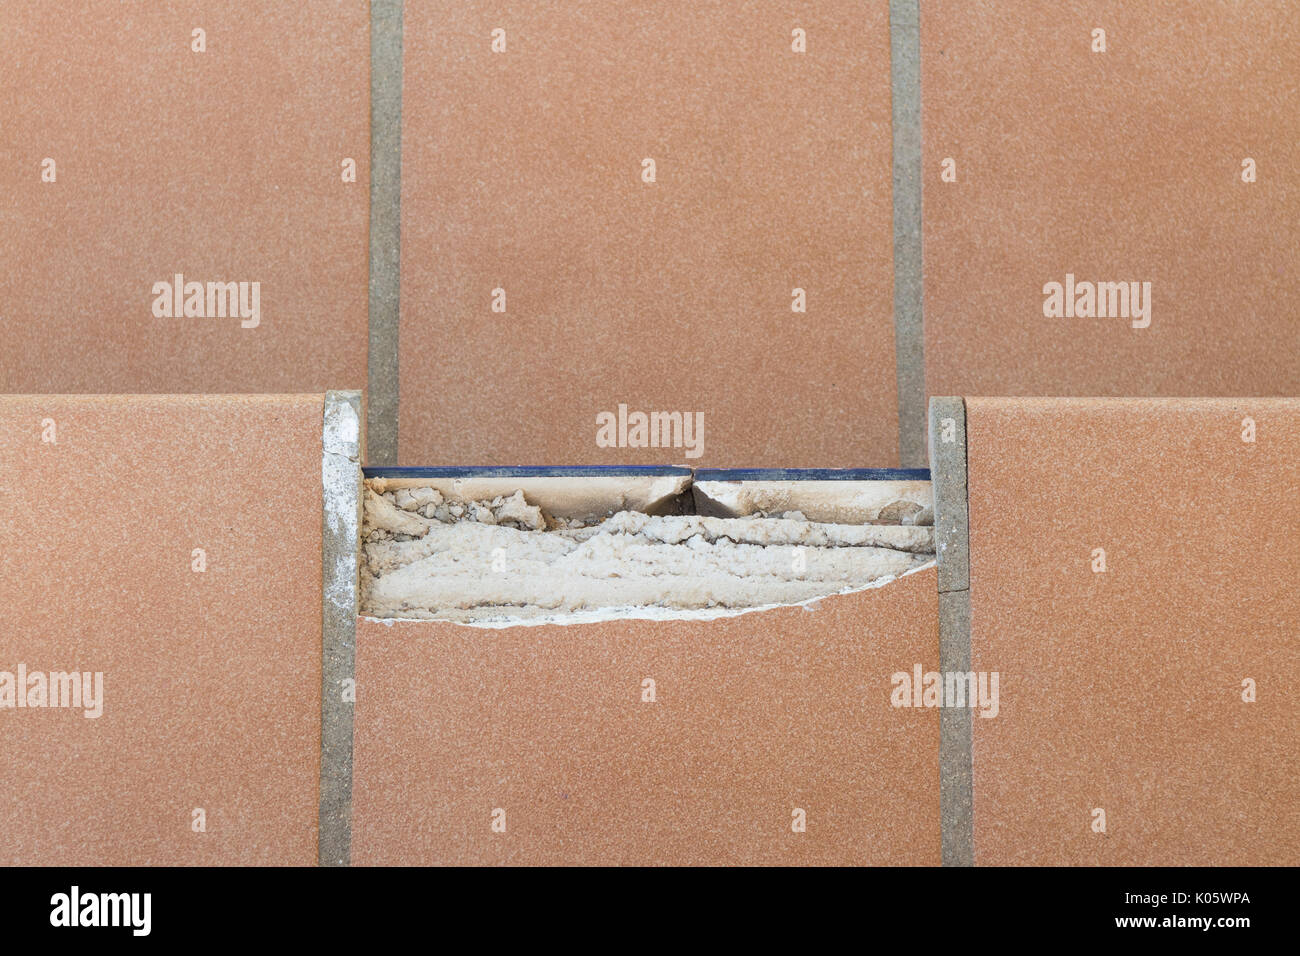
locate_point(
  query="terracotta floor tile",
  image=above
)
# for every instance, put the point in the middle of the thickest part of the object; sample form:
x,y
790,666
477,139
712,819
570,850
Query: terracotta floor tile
x,y
755,716
1123,690
1122,166
211,680
220,166
522,171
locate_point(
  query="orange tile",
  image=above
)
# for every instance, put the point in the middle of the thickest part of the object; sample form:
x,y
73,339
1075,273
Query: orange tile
x,y
522,171
755,716
220,166
1120,166
211,679
1122,690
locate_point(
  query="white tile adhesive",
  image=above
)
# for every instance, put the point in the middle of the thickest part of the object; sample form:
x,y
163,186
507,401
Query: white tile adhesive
x,y
505,560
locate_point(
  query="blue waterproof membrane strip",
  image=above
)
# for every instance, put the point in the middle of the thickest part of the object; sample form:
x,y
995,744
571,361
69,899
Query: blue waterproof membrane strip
x,y
489,471
812,474
654,471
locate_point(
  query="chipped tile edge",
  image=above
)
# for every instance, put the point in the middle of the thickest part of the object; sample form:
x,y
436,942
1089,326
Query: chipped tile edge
x,y
343,438
947,442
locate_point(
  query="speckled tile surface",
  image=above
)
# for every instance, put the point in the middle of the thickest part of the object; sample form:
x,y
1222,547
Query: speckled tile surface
x,y
212,678
755,717
1122,690
1119,166
522,171
221,166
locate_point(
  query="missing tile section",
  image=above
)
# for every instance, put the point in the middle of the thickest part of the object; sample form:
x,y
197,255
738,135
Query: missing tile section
x,y
343,439
508,560
594,496
857,502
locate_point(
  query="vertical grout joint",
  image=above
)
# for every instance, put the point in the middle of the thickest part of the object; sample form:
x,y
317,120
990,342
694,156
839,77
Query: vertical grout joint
x,y
343,438
909,354
385,228
952,550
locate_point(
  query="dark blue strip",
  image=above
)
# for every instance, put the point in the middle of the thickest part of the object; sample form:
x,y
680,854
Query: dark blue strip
x,y
812,474
490,471
653,471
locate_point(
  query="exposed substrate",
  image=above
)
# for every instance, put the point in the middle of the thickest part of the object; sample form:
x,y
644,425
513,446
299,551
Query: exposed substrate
x,y
503,560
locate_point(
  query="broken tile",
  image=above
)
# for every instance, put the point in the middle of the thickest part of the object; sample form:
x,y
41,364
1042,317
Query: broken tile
x,y
537,745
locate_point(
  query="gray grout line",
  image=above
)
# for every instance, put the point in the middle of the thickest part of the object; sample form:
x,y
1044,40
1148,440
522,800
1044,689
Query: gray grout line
x,y
952,549
948,473
909,355
956,729
343,438
385,227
